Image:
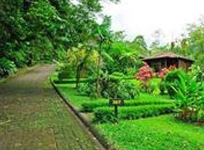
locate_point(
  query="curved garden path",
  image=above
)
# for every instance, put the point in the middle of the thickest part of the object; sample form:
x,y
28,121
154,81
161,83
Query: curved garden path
x,y
33,117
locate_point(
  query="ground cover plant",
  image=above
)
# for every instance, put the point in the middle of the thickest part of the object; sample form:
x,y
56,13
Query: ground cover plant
x,y
157,133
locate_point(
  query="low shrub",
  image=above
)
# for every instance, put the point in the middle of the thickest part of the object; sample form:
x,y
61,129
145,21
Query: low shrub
x,y
172,80
145,73
153,86
70,80
111,86
90,106
123,89
65,71
106,114
7,67
114,86
88,88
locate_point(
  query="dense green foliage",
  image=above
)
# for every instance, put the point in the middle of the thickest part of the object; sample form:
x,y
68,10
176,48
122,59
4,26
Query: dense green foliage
x,y
111,86
33,31
124,58
189,92
172,80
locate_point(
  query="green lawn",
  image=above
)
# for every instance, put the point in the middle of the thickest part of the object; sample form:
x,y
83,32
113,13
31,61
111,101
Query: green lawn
x,y
70,93
157,133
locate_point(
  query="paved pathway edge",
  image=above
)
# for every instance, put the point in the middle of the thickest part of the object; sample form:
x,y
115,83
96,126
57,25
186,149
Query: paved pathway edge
x,y
101,139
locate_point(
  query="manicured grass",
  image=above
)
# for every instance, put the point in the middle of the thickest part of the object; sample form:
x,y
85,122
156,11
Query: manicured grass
x,y
157,133
69,92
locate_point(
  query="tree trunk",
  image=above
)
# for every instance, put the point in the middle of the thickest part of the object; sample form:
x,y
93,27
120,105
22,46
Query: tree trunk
x,y
98,89
78,74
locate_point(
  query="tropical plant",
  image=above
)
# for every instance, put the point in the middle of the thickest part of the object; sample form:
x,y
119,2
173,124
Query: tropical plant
x,y
83,60
172,80
139,45
112,86
144,74
190,100
189,95
197,72
33,31
7,67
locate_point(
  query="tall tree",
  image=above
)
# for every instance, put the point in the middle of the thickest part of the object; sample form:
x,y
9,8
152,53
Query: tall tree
x,y
195,43
39,30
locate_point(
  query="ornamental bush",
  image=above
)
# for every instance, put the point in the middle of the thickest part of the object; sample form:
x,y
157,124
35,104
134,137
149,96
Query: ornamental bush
x,y
144,74
111,86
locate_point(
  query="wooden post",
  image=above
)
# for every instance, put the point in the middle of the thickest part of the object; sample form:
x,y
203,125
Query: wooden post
x,y
116,102
116,111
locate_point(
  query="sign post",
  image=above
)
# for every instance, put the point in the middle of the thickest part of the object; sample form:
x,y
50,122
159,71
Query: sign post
x,y
116,102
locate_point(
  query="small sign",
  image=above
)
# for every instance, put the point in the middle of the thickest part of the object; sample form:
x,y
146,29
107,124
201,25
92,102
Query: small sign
x,y
116,102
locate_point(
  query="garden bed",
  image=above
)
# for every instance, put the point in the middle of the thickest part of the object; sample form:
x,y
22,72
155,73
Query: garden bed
x,y
152,133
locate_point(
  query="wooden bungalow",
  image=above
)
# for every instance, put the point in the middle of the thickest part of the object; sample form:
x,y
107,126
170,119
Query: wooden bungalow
x,y
167,59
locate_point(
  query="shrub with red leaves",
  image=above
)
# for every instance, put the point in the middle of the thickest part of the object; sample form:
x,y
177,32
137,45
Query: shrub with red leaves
x,y
145,72
172,67
162,72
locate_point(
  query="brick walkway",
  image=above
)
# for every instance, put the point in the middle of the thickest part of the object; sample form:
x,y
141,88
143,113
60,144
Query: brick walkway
x,y
32,116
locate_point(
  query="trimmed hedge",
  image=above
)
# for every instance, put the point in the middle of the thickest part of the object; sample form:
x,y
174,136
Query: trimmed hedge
x,y
71,80
90,106
106,114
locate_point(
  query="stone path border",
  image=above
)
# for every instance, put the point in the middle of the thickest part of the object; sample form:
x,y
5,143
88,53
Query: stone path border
x,y
83,118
